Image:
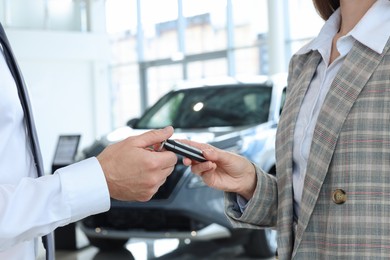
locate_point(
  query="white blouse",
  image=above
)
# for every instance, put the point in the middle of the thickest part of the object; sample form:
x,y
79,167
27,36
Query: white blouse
x,y
373,30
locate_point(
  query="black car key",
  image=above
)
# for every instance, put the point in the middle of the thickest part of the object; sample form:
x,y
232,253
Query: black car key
x,y
184,150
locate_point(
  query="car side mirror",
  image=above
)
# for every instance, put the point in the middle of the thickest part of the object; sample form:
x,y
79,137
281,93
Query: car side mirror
x,y
132,122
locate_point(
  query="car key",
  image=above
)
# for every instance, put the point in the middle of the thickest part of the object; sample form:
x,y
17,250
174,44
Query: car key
x,y
183,149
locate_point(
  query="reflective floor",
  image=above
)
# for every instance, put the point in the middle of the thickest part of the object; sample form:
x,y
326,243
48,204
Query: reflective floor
x,y
159,250
149,249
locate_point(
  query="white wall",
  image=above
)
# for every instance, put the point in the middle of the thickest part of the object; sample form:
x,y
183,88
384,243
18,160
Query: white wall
x,y
67,75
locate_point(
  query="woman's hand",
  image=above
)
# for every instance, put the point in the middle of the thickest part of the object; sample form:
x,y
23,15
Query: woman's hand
x,y
224,170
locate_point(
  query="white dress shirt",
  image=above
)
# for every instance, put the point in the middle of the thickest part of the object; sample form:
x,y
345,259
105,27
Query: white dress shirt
x,y
373,30
31,207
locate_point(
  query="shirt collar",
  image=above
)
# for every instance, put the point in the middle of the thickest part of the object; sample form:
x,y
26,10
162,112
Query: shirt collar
x,y
328,30
373,30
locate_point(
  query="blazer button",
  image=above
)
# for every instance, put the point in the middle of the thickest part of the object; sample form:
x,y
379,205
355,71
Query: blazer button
x,y
339,196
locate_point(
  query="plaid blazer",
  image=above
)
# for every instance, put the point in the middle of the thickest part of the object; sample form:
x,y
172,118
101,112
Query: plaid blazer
x,y
345,208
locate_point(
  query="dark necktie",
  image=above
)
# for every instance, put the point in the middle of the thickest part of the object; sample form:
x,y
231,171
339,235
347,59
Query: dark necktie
x,y
48,240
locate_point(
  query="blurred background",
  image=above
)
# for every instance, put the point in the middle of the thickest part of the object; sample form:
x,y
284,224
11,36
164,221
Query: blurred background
x,y
91,65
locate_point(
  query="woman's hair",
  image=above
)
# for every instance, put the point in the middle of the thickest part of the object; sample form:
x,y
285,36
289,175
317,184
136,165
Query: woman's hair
x,y
325,8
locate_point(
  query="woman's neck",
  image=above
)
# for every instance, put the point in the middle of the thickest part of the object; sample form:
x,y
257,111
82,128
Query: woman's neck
x,y
351,13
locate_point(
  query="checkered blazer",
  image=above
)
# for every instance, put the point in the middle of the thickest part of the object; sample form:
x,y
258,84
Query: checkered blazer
x,y
350,152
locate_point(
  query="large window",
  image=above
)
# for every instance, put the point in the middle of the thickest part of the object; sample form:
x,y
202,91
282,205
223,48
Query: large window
x,y
304,23
250,20
159,42
156,43
205,25
213,68
125,92
161,79
121,17
160,31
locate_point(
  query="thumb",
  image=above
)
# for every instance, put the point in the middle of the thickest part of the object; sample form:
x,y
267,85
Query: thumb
x,y
153,137
217,155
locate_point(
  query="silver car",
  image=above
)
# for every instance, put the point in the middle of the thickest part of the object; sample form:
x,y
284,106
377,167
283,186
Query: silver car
x,y
237,115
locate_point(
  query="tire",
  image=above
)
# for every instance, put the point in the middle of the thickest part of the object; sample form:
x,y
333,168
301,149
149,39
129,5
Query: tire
x,y
107,244
261,243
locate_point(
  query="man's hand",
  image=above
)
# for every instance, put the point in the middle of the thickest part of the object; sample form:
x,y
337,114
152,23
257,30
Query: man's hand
x,y
134,170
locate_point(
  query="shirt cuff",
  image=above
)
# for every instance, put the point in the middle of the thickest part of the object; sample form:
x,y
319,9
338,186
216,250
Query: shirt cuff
x,y
85,188
242,203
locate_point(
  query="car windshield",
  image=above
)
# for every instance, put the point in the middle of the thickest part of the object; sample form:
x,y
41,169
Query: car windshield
x,y
238,105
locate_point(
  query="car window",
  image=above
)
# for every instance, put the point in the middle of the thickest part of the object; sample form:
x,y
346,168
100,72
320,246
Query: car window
x,y
210,107
166,113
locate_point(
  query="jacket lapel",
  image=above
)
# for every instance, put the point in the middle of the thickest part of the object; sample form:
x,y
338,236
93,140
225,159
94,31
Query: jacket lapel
x,y
304,69
358,67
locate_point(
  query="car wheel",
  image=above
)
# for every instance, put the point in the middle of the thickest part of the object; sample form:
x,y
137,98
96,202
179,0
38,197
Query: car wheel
x,y
261,243
107,244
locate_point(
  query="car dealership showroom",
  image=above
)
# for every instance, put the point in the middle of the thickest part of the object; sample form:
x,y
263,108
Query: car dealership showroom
x,y
99,71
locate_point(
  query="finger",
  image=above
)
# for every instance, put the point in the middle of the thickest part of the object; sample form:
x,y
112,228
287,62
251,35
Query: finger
x,y
211,151
187,161
164,159
153,137
201,146
169,160
202,168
